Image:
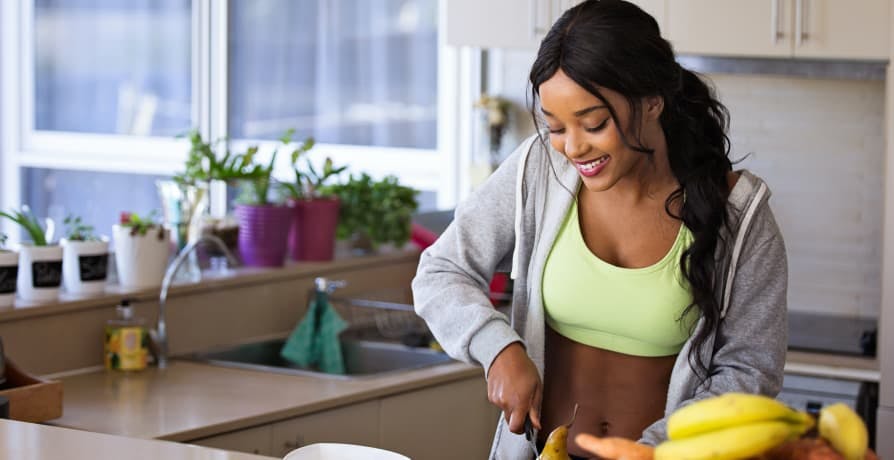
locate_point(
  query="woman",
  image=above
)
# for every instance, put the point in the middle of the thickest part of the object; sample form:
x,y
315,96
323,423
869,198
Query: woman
x,y
647,273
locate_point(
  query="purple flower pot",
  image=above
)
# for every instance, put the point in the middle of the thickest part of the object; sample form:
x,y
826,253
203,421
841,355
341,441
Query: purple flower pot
x,y
263,231
312,236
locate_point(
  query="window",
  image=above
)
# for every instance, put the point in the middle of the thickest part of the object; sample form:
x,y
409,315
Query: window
x,y
101,89
354,72
112,67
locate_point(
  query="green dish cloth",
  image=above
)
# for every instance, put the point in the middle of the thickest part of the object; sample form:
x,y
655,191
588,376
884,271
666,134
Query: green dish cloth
x,y
314,343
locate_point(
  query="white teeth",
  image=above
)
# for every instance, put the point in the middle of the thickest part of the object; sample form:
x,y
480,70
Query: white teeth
x,y
593,164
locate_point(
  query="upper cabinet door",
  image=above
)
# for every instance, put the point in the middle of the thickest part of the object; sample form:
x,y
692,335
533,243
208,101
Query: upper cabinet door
x,y
842,29
500,23
731,27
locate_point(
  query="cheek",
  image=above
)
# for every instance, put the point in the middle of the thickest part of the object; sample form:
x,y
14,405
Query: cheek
x,y
557,143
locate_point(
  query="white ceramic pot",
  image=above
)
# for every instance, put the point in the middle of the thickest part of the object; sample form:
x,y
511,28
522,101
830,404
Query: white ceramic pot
x,y
40,272
9,270
141,259
85,266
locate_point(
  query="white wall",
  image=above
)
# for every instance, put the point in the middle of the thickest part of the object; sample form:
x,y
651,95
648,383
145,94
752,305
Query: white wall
x,y
820,146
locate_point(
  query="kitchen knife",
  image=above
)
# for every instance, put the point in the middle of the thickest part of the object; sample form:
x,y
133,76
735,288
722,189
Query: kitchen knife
x,y
529,436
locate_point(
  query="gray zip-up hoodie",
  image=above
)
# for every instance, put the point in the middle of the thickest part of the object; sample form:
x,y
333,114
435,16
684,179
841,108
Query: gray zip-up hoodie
x,y
512,220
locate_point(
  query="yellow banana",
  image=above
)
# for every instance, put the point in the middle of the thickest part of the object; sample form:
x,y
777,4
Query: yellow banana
x,y
845,430
736,442
730,409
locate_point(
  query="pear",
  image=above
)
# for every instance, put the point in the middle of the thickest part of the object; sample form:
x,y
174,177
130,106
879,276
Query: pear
x,y
556,447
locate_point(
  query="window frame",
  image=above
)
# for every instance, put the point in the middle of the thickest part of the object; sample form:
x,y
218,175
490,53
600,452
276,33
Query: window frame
x,y
22,146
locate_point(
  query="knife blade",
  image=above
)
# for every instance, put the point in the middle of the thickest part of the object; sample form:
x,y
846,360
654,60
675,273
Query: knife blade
x,y
529,436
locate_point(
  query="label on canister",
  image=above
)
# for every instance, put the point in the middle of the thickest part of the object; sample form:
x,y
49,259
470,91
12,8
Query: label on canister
x,y
126,348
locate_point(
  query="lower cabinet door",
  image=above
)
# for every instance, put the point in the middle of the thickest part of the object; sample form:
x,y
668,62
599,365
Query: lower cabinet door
x,y
448,422
256,440
354,424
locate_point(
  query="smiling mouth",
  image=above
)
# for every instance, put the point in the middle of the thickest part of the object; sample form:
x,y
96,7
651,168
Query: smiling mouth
x,y
592,165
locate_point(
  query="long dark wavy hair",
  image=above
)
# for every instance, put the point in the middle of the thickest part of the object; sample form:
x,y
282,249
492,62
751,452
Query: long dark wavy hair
x,y
614,44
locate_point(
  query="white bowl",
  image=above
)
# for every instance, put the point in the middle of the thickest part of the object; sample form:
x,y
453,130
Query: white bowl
x,y
335,451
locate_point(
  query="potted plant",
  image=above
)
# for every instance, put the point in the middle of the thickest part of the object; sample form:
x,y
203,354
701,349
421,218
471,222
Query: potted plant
x,y
41,261
263,224
9,272
374,213
141,250
85,258
315,217
206,169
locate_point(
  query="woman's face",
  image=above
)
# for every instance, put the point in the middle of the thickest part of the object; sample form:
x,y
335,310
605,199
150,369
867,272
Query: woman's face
x,y
581,127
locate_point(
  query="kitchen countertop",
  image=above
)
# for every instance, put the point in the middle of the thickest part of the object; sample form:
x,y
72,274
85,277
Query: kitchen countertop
x,y
835,366
189,400
31,441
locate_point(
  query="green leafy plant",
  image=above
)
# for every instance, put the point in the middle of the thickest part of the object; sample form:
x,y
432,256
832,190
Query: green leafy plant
x,y
28,222
310,183
3,240
141,225
380,210
203,163
77,230
256,182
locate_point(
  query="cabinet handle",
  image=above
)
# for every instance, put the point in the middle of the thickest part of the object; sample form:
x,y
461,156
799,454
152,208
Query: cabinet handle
x,y
534,27
775,15
801,34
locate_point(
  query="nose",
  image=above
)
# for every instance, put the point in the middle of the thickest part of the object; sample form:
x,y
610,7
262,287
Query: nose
x,y
575,144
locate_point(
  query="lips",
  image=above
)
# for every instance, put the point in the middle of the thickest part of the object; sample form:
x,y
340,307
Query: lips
x,y
591,168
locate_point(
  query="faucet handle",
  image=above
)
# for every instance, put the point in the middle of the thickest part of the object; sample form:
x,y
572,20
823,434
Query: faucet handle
x,y
328,286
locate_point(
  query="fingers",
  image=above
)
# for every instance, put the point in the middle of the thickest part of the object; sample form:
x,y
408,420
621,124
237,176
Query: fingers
x,y
534,412
517,419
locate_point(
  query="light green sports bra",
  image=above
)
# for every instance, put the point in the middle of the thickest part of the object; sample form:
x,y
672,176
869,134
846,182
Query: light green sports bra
x,y
635,311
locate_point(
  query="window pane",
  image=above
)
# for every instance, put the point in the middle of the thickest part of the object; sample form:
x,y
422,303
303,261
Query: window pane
x,y
113,67
360,72
98,198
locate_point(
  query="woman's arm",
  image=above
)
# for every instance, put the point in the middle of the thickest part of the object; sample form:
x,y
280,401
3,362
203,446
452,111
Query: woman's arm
x,y
450,290
751,342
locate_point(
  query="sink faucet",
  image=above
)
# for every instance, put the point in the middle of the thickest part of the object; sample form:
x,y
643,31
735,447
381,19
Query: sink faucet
x,y
160,334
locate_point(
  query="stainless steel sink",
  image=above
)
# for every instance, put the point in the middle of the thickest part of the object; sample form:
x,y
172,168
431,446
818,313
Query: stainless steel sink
x,y
363,358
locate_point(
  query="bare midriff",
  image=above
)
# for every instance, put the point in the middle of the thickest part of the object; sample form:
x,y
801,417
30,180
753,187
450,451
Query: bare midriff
x,y
617,394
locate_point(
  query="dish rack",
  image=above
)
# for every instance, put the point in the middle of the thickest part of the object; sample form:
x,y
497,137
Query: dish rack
x,y
393,320
389,311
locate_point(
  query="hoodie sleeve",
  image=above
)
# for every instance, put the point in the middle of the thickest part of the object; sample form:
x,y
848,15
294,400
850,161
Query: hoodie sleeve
x,y
450,290
751,343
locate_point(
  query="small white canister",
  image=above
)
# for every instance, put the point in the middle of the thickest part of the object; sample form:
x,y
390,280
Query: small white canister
x,y
85,266
9,272
40,272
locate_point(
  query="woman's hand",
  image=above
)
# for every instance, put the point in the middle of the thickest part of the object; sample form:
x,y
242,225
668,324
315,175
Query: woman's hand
x,y
514,386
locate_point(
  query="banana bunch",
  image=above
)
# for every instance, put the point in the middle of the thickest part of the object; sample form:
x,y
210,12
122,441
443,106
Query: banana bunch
x,y
844,430
730,426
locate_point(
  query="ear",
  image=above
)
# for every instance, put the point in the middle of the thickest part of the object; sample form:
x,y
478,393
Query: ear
x,y
653,105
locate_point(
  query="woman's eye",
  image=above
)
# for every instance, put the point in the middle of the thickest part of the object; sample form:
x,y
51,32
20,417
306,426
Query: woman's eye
x,y
598,128
556,130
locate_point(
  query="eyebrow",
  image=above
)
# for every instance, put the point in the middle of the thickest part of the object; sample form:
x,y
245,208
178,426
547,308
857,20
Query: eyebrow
x,y
579,113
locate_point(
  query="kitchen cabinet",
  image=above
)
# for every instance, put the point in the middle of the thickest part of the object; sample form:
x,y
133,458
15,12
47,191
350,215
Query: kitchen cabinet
x,y
353,424
450,420
828,29
837,29
513,23
256,440
444,422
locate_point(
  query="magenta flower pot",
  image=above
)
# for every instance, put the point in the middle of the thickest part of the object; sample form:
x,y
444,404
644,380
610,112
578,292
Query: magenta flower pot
x,y
263,234
312,236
